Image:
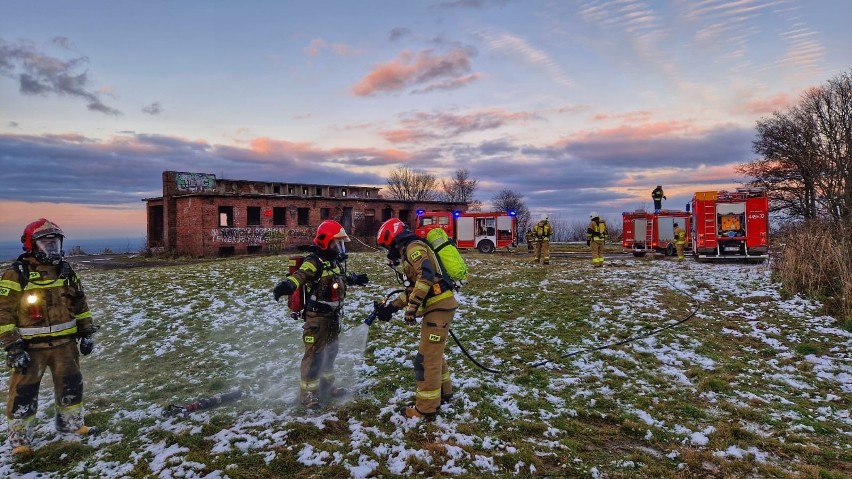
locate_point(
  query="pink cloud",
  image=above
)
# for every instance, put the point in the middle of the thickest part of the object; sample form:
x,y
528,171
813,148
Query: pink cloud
x,y
767,105
414,69
640,131
428,126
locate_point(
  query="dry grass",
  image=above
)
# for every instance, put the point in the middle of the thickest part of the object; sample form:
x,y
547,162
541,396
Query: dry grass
x,y
816,261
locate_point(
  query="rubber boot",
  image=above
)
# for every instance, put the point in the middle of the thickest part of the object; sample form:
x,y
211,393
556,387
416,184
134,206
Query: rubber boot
x,y
411,412
71,422
310,400
20,436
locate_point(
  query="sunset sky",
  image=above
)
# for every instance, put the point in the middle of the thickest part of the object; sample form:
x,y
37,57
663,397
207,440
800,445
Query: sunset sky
x,y
577,105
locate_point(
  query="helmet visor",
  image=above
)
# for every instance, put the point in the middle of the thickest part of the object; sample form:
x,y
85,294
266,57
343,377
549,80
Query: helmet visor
x,y
338,245
50,245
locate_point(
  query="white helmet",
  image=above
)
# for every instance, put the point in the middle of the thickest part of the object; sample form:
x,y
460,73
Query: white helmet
x,y
593,214
544,218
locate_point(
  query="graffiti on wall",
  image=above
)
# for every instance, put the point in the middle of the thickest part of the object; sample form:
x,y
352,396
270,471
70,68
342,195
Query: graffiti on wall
x,y
195,181
275,239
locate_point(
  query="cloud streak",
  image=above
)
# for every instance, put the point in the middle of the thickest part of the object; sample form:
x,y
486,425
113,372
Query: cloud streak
x,y
40,74
425,68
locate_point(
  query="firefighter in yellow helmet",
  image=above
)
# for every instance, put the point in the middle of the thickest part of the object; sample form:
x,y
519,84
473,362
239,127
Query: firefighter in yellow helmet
x,y
429,295
680,241
530,238
43,313
542,232
323,274
595,237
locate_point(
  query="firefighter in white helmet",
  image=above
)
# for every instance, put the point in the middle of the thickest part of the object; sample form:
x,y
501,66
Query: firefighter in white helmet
x,y
542,232
43,313
595,237
324,277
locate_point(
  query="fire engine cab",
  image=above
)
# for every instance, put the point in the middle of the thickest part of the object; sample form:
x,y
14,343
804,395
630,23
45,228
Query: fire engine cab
x,y
731,224
483,231
644,232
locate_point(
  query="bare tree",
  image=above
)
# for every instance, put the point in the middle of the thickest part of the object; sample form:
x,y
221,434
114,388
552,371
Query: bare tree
x,y
508,200
806,162
460,189
411,185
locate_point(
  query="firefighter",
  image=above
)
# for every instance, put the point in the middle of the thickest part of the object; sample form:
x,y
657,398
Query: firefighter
x,y
43,315
658,196
542,232
530,238
324,277
680,241
430,296
595,237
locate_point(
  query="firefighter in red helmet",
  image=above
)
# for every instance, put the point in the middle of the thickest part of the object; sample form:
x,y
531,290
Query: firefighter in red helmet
x,y
43,315
429,295
324,277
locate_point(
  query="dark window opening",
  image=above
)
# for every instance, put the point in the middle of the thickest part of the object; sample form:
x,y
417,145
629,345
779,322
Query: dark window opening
x,y
291,191
226,251
319,191
343,192
226,216
254,250
304,217
324,213
304,192
276,189
253,216
279,216
387,214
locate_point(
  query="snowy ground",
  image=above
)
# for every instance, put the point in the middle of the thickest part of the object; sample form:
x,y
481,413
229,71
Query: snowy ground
x,y
753,384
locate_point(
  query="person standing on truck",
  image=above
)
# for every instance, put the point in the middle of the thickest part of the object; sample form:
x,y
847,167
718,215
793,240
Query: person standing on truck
x,y
680,241
324,277
658,196
542,232
428,295
595,237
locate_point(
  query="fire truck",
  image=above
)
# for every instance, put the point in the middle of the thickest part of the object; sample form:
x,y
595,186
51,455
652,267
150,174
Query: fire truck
x,y
483,231
644,232
731,224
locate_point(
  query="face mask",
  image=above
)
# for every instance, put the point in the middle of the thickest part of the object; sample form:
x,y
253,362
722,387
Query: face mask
x,y
49,249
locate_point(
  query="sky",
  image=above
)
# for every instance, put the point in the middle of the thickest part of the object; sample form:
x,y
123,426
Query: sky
x,y
576,105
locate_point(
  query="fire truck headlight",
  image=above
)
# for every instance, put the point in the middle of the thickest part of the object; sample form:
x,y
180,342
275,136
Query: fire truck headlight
x,y
32,299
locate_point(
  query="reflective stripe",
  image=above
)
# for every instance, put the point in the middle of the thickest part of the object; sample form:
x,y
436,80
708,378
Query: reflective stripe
x,y
430,394
48,330
445,377
310,385
13,285
329,376
434,299
333,304
58,283
86,315
6,328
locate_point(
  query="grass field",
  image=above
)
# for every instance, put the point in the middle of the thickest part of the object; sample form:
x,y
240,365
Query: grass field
x,y
753,384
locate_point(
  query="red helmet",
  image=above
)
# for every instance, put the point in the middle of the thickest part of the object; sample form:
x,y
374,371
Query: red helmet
x,y
39,229
329,231
389,230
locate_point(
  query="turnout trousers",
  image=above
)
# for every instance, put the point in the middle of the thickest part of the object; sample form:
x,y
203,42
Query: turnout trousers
x,y
319,334
63,360
431,372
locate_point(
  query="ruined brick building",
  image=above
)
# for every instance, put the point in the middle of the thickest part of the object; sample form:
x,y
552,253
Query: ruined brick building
x,y
200,215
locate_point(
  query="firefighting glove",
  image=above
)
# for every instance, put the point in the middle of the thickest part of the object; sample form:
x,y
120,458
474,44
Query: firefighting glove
x,y
588,242
87,344
385,311
410,318
284,288
357,279
17,356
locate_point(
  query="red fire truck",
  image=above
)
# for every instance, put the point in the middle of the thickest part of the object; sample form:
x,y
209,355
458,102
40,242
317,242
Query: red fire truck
x,y
731,224
644,232
483,231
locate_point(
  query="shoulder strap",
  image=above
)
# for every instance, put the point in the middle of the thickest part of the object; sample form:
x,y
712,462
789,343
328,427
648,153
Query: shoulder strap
x,y
23,270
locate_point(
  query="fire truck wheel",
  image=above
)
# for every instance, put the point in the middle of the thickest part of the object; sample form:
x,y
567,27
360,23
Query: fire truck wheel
x,y
670,250
638,254
485,247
